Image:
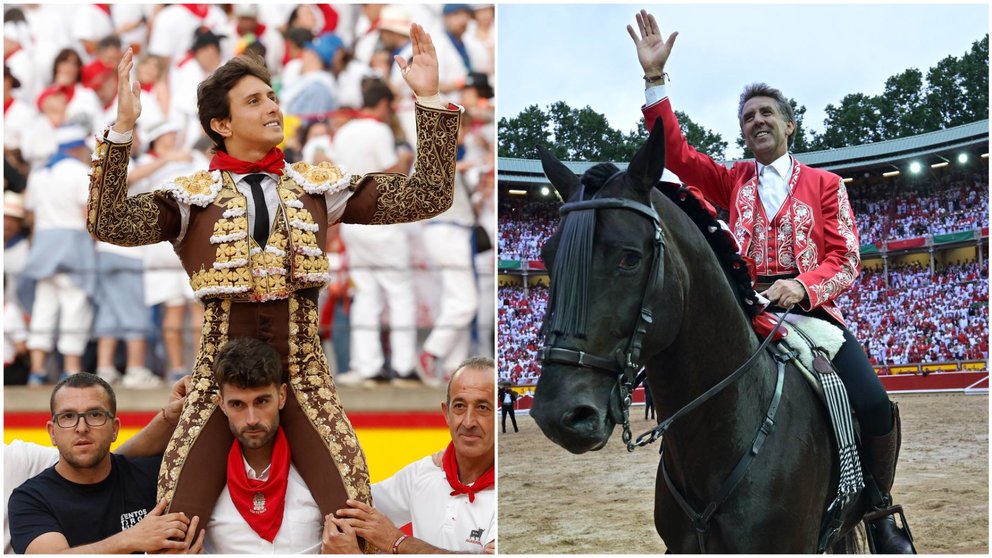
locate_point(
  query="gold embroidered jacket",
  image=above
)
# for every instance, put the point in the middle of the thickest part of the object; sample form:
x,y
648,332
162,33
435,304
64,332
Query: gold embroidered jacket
x,y
217,251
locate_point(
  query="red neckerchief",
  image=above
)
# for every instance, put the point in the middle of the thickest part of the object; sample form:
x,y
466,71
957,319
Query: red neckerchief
x,y
104,7
273,163
147,87
6,104
182,62
366,116
70,92
259,29
330,17
451,472
199,10
11,53
260,503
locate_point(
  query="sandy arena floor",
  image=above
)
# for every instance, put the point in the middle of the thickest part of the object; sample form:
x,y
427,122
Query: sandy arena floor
x,y
553,502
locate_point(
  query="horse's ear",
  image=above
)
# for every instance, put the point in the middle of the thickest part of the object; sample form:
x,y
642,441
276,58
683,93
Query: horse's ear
x,y
646,167
561,178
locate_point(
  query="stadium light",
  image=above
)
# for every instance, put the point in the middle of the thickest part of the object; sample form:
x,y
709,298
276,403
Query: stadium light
x,y
847,180
517,192
890,174
985,155
963,158
545,190
939,165
915,167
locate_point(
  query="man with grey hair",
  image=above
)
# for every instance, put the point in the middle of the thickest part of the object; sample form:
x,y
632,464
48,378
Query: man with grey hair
x,y
796,223
449,497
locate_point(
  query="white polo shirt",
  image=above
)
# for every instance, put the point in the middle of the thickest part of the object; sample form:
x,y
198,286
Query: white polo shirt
x,y
420,493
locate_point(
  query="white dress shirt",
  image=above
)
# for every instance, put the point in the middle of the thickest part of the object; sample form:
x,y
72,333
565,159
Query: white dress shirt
x,y
773,179
773,184
300,532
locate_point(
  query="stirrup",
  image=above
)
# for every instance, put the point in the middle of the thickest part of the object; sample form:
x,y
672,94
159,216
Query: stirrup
x,y
881,513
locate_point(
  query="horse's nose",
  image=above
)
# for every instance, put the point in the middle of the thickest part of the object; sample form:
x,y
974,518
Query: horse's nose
x,y
583,419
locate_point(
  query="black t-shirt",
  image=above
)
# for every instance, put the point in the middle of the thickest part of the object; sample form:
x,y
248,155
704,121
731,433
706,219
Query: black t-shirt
x,y
83,513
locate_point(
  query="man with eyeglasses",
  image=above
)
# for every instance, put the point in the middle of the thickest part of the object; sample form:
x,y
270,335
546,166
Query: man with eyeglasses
x,y
93,501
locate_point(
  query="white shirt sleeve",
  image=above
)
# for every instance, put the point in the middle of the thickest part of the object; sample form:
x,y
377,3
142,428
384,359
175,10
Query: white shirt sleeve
x,y
117,137
392,496
654,94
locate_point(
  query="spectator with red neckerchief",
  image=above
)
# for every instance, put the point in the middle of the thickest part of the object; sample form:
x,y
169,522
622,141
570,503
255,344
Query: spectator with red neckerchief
x,y
449,497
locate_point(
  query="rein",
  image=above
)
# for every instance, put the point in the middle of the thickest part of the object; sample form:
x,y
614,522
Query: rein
x,y
626,367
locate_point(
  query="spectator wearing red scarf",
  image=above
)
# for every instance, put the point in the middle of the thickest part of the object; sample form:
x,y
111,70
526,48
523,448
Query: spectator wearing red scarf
x,y
449,497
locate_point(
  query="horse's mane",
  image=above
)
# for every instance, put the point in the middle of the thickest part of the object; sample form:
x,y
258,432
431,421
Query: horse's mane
x,y
737,268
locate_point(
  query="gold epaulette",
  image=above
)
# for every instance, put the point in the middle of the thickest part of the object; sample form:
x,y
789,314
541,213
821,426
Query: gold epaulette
x,y
199,189
319,179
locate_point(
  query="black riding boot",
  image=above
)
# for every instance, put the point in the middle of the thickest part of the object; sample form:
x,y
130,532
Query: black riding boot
x,y
882,453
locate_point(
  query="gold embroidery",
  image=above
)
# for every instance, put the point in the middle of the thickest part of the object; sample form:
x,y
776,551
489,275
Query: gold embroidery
x,y
112,216
198,184
318,175
430,189
311,381
199,403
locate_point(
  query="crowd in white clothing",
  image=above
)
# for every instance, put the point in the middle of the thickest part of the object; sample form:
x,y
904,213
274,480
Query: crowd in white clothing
x,y
889,210
60,77
917,318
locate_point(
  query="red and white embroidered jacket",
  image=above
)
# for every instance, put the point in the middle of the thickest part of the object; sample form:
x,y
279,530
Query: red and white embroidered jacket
x,y
817,216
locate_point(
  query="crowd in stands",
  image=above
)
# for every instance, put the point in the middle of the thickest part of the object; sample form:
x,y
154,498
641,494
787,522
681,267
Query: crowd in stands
x,y
60,76
520,313
917,317
921,317
524,227
890,210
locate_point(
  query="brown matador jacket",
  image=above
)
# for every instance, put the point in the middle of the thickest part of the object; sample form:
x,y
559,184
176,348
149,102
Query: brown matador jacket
x,y
268,293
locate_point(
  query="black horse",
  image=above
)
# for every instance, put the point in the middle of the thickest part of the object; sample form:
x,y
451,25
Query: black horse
x,y
636,283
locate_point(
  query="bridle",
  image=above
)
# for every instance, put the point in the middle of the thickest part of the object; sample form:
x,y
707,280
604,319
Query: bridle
x,y
624,365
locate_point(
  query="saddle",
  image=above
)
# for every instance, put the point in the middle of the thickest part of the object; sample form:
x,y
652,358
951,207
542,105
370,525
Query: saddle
x,y
815,343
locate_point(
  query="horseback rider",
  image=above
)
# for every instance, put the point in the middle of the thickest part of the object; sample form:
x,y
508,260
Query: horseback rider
x,y
796,223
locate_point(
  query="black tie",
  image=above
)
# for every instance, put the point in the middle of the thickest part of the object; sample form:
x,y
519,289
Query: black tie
x,y
261,228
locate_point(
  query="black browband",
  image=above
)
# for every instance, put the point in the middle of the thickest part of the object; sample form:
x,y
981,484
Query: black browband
x,y
623,363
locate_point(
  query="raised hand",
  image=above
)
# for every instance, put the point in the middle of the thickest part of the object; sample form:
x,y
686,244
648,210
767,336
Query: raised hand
x,y
128,96
652,51
421,74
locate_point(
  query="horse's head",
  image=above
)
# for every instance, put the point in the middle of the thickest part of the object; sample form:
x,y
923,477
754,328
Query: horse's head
x,y
606,263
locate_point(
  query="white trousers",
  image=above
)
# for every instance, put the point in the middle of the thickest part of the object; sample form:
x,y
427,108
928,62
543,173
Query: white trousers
x,y
60,305
379,265
449,250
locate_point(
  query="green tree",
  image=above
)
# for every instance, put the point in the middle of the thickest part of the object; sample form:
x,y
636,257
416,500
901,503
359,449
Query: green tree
x,y
704,140
974,92
854,122
903,108
520,135
585,135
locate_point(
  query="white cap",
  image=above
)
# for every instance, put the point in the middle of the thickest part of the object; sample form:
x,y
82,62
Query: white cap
x,y
159,129
245,10
13,204
70,134
396,19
